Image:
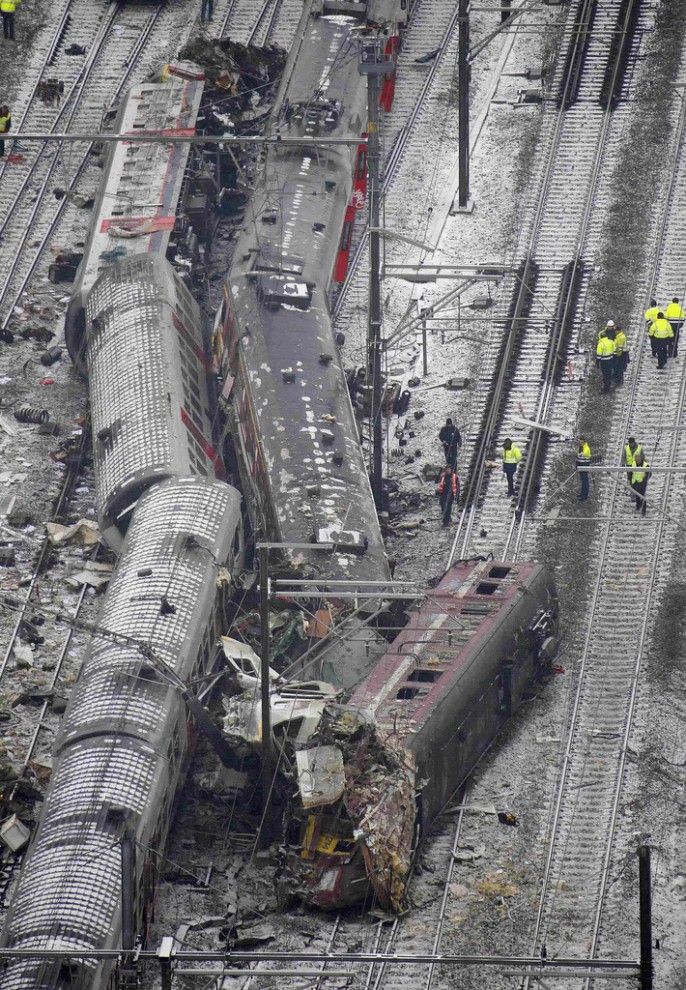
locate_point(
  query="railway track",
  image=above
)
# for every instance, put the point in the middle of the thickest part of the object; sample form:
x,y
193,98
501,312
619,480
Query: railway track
x,y
430,20
631,575
28,214
543,315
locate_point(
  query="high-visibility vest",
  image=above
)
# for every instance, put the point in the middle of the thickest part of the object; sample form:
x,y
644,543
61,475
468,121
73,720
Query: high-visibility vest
x,y
620,342
512,456
605,349
5,123
583,457
661,329
9,6
441,483
638,476
651,314
630,456
675,312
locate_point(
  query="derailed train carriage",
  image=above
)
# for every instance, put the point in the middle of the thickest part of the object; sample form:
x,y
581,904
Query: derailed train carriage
x,y
121,751
382,767
289,412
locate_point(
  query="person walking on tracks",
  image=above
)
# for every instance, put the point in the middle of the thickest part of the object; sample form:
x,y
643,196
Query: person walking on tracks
x,y
5,126
662,334
448,490
512,455
631,451
207,12
605,353
650,317
451,440
639,482
583,459
7,9
676,316
621,358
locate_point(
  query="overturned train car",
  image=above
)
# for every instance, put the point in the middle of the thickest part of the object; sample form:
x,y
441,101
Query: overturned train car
x,y
384,766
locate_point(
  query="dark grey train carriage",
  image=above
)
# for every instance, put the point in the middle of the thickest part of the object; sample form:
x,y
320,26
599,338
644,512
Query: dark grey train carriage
x,y
122,746
302,469
150,404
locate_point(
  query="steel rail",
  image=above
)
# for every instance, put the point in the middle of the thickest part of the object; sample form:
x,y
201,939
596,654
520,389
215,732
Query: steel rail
x,y
617,495
57,37
515,536
265,17
67,111
394,159
468,518
397,925
145,34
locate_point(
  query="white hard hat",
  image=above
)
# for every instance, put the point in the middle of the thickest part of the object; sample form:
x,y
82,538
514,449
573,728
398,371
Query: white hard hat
x,y
610,323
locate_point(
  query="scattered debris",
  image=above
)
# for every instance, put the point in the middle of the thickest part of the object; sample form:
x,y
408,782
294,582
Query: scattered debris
x,y
507,818
83,533
14,834
93,575
467,854
23,655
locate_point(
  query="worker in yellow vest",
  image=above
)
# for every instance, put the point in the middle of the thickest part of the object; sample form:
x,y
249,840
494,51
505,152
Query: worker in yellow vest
x,y
583,459
675,314
662,333
512,455
621,358
632,449
5,126
7,9
650,317
639,482
605,353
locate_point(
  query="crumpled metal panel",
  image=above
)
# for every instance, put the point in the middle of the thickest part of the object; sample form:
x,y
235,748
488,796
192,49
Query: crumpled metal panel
x,y
157,565
145,351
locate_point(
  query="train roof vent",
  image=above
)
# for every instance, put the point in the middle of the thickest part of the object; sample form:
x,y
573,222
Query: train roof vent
x,y
270,259
315,116
279,290
499,572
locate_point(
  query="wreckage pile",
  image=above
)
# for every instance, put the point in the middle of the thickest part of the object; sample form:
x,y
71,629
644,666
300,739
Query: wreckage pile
x,y
362,785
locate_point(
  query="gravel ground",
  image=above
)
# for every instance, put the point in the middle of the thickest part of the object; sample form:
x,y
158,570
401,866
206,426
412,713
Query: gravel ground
x,y
492,900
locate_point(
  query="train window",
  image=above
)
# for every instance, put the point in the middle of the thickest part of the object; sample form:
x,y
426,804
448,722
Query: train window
x,y
425,676
486,588
405,693
499,572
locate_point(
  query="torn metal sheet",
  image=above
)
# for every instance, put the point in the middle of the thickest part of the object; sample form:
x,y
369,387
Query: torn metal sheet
x,y
85,533
321,776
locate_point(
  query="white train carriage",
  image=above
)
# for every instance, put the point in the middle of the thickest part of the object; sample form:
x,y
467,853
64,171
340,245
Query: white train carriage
x,y
121,752
150,404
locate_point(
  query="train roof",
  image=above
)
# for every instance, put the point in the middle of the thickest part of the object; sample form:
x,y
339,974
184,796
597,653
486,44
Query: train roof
x,y
446,636
161,595
143,181
278,283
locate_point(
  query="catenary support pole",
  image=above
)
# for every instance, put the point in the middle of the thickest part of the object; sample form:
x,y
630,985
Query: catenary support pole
x,y
372,65
267,761
127,973
645,918
463,72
